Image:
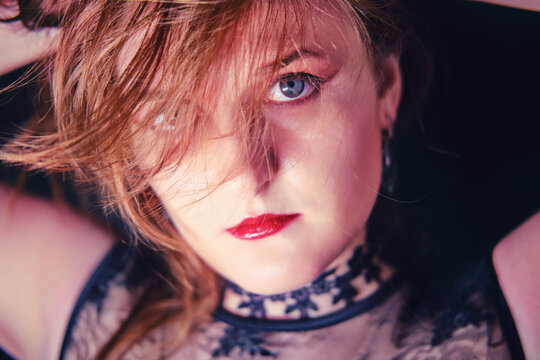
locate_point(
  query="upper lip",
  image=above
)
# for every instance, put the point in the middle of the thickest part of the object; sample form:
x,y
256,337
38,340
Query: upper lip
x,y
261,226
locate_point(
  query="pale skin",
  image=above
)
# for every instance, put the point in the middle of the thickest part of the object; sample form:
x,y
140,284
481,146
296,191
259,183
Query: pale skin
x,y
21,46
336,64
47,250
516,260
326,146
47,253
44,237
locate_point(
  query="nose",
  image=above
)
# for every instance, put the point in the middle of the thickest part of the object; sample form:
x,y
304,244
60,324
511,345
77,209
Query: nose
x,y
265,170
263,162
254,142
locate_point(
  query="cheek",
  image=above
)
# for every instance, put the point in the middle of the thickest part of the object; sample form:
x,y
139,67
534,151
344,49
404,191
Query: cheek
x,y
198,195
202,170
343,142
188,209
185,194
354,169
346,162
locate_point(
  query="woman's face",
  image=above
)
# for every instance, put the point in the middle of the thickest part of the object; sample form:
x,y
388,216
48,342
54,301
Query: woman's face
x,y
274,231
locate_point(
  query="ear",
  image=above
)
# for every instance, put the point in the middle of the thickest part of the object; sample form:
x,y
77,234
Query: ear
x,y
389,92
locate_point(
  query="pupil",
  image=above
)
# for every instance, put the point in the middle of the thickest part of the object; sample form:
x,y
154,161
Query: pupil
x,y
292,88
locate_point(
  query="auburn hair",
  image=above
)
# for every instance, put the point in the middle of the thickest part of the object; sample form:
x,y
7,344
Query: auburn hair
x,y
121,65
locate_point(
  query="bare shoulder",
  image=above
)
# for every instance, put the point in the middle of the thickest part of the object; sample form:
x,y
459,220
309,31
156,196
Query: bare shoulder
x,y
518,269
47,252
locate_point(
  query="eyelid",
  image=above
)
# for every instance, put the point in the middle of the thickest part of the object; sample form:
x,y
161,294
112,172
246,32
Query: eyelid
x,y
315,81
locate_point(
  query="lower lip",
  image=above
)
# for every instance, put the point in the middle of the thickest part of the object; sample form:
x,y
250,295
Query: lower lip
x,y
261,226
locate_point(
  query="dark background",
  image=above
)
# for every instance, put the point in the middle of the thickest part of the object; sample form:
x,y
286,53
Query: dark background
x,y
474,155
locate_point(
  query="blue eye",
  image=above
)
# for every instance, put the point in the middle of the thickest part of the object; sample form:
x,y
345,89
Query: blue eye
x,y
293,87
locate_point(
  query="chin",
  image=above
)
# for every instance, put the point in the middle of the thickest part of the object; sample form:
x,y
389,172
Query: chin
x,y
278,279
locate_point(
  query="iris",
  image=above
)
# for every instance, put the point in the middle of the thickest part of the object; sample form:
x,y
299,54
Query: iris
x,y
292,88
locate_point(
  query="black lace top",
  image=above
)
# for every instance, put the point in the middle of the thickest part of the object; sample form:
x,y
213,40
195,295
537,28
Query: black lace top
x,y
379,326
368,329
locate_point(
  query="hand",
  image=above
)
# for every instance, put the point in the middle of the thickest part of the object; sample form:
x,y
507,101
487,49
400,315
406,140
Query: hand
x,y
20,46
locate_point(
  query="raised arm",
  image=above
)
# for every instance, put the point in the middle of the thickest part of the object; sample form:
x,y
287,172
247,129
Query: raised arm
x,y
517,263
533,5
20,46
47,253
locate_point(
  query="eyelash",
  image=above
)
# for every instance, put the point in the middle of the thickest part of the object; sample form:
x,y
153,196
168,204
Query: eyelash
x,y
313,80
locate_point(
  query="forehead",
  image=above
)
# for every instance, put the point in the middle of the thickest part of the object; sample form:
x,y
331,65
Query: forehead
x,y
273,36
251,43
272,39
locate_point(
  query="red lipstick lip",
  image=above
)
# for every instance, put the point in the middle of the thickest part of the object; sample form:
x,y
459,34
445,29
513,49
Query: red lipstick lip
x,y
261,226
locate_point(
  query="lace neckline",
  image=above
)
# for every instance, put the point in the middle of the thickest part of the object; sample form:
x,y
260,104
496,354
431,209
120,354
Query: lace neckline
x,y
362,284
306,324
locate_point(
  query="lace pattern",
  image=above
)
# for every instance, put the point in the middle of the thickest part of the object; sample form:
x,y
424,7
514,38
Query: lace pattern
x,y
366,336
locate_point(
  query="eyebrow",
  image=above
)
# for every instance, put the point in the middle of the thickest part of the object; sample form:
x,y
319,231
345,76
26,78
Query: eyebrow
x,y
296,55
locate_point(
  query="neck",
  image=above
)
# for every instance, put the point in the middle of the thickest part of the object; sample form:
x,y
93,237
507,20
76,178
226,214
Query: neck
x,y
358,277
